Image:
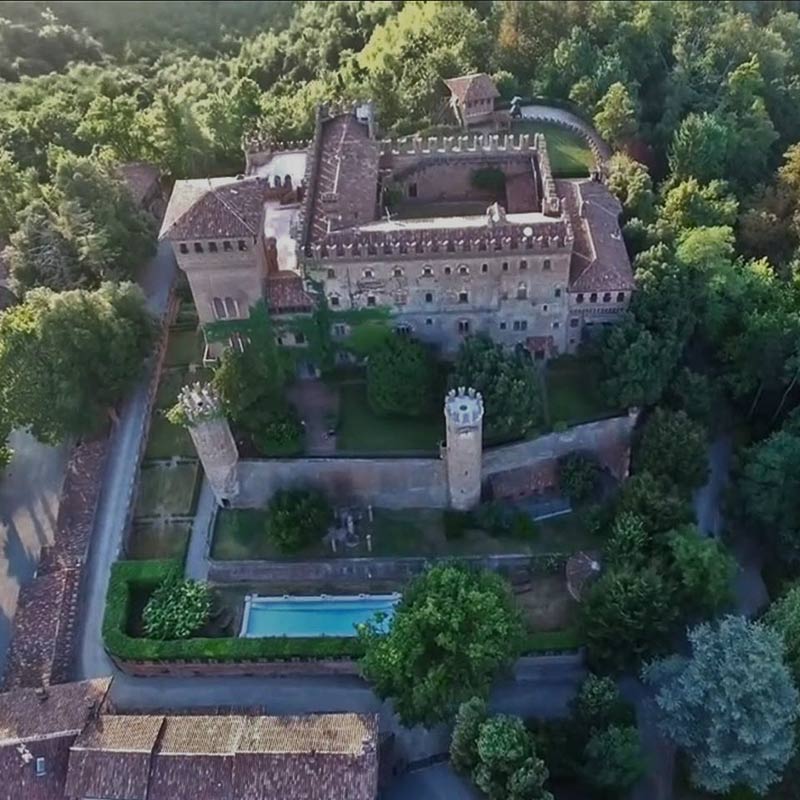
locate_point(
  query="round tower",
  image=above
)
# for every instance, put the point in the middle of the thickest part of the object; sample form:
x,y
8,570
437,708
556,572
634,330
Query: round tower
x,y
212,438
463,413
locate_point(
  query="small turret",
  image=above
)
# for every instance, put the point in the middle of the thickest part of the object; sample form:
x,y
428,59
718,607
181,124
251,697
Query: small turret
x,y
212,438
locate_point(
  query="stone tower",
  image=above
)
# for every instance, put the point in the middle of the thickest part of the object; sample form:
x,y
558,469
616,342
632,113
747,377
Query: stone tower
x,y
463,413
213,439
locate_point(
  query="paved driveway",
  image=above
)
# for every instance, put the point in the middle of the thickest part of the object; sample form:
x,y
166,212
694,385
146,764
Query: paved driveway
x,y
30,491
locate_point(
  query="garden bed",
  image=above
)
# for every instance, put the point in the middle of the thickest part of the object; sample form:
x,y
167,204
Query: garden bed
x,y
242,535
167,490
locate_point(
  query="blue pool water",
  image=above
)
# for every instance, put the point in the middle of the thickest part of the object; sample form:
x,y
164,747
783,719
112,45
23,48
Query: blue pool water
x,y
314,616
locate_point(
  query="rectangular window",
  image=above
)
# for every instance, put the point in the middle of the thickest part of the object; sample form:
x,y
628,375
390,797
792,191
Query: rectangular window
x,y
231,308
621,297
505,266
556,324
546,265
242,245
574,322
427,271
579,297
339,329
593,297
412,189
198,247
184,248
544,307
331,273
400,298
463,326
299,338
236,342
227,246
334,301
523,264
219,308
447,270
428,297
484,267
212,247
607,297
558,292
371,300
41,768
463,297
503,326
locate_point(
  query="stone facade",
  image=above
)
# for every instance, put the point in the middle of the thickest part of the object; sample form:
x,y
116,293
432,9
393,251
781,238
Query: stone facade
x,y
405,226
463,413
213,440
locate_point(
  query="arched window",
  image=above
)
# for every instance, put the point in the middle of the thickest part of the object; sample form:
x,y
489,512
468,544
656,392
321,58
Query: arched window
x,y
463,269
287,181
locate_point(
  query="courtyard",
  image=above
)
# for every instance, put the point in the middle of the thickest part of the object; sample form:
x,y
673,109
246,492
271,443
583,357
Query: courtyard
x,y
570,156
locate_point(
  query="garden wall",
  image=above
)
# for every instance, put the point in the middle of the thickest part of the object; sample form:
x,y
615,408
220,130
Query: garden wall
x,y
422,482
388,483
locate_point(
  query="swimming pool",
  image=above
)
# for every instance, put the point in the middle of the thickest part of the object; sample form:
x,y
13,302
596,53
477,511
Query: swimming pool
x,y
314,616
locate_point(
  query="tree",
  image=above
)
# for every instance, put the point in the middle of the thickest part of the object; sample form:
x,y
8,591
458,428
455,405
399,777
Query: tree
x,y
689,204
454,630
694,393
599,704
702,569
629,181
297,518
783,616
464,742
657,503
508,768
616,119
614,759
731,704
699,149
66,359
507,381
673,447
627,617
401,377
177,608
17,189
629,544
578,476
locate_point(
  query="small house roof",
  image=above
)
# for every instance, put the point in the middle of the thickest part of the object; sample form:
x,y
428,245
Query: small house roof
x,y
477,85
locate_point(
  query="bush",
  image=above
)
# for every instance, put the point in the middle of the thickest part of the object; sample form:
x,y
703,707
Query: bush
x,y
456,524
614,759
578,475
401,378
147,575
177,608
297,518
464,744
599,704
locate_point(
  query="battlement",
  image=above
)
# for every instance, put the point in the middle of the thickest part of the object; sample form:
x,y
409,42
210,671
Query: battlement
x,y
463,407
200,403
500,237
471,144
263,144
551,205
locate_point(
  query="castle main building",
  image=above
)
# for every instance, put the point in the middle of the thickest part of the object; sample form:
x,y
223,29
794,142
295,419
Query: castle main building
x,y
452,236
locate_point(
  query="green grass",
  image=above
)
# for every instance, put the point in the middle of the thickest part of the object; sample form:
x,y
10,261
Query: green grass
x,y
167,490
241,534
360,430
570,156
184,347
159,539
573,391
167,440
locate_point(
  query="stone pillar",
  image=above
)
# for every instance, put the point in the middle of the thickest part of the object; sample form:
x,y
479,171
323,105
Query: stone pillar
x,y
463,413
213,439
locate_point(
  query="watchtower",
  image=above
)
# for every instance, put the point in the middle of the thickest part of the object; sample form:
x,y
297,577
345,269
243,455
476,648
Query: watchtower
x,y
213,439
463,413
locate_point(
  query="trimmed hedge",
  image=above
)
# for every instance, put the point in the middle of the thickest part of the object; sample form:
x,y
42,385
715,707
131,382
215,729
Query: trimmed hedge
x,y
125,575
541,642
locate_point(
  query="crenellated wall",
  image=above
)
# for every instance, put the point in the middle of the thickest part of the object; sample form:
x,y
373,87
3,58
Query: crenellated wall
x,y
467,144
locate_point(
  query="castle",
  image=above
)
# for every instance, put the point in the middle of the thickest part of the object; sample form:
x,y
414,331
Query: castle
x,y
448,236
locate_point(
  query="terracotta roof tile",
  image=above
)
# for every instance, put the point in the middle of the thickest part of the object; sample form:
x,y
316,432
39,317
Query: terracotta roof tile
x,y
600,260
215,208
285,293
475,86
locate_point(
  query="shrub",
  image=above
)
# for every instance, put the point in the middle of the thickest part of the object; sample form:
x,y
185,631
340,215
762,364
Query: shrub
x,y
177,608
599,704
614,759
464,744
297,518
578,475
401,378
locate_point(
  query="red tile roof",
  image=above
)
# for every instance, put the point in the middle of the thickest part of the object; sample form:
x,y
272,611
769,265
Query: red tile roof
x,y
285,293
476,86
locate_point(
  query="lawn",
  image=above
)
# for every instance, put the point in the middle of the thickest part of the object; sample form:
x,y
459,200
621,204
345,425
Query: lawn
x,y
167,490
570,156
167,440
242,535
159,539
360,430
573,391
184,347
